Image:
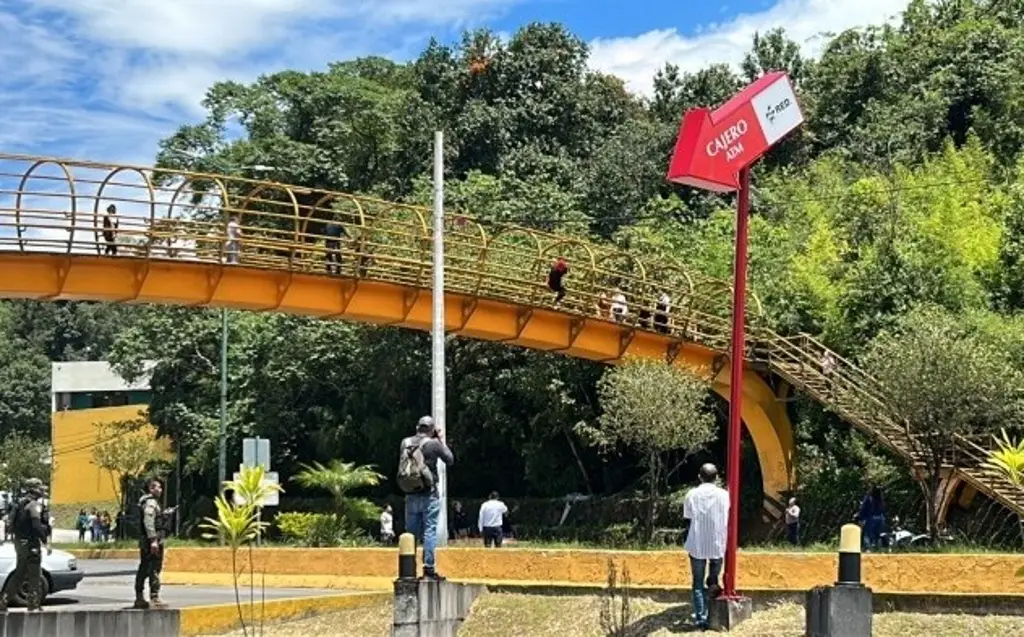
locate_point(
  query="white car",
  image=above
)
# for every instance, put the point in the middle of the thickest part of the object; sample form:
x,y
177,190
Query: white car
x,y
60,571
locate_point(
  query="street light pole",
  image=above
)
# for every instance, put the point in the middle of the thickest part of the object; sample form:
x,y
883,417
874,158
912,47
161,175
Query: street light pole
x,y
222,455
437,402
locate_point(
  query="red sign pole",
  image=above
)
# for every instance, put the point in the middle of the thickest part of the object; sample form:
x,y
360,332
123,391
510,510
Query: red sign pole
x,y
739,305
715,151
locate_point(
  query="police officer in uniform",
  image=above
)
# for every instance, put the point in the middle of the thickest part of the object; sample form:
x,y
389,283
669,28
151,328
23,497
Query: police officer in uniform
x,y
29,539
151,547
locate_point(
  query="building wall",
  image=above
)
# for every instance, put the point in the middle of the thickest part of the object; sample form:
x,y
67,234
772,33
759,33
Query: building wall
x,y
76,478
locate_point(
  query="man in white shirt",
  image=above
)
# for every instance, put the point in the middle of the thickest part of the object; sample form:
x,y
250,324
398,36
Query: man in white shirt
x,y
233,245
793,522
492,516
387,528
707,508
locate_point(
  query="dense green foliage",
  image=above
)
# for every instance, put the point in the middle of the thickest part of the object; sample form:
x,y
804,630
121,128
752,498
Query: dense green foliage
x,y
905,188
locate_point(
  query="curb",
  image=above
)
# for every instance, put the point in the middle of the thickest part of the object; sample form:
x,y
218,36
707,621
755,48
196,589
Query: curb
x,y
221,618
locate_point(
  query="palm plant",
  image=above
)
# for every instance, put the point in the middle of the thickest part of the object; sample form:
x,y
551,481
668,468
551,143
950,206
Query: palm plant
x,y
238,523
1008,460
339,479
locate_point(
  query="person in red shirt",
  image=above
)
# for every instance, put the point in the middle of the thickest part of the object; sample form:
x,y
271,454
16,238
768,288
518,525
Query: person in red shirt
x,y
558,271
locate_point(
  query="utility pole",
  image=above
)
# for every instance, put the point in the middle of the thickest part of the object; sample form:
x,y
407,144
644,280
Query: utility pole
x,y
437,402
222,455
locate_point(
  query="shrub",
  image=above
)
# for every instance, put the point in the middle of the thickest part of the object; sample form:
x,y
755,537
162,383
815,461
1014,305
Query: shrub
x,y
312,529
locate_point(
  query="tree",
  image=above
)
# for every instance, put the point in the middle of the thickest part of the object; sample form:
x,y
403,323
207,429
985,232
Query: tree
x,y
21,458
127,450
653,408
339,478
942,381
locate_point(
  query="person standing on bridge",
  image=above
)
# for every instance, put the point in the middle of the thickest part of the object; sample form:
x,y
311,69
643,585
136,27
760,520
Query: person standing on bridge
x,y
334,232
555,278
110,226
234,243
417,476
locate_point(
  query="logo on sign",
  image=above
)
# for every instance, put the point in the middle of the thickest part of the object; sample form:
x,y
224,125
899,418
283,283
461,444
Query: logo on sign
x,y
729,141
775,110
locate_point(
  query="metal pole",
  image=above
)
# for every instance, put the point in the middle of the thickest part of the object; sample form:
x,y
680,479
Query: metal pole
x,y
437,402
177,492
222,456
736,382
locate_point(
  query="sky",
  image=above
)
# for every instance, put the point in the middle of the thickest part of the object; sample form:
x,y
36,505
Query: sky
x,y
105,80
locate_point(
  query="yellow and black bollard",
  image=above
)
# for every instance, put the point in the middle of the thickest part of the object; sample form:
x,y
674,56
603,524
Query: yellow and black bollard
x,y
849,555
843,610
407,556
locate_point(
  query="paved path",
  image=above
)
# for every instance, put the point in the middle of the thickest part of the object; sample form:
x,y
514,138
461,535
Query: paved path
x,y
109,584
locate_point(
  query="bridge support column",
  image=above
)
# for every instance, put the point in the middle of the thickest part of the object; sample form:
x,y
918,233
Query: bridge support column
x,y
948,483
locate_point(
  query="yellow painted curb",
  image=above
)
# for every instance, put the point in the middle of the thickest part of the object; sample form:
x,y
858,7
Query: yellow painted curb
x,y
375,568
333,582
207,620
105,554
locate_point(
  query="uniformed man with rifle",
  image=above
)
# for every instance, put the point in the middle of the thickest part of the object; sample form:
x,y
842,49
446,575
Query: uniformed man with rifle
x,y
152,531
30,533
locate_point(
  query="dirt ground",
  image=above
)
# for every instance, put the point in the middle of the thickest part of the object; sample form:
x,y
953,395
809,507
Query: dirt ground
x,y
514,615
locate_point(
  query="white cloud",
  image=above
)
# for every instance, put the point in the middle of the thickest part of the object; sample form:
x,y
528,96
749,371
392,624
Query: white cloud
x,y
637,59
105,80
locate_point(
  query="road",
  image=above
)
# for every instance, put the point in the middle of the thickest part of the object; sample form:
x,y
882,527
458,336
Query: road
x,y
110,584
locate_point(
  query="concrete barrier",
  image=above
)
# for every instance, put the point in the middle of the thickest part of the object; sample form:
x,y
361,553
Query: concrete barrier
x,y
91,623
977,574
431,608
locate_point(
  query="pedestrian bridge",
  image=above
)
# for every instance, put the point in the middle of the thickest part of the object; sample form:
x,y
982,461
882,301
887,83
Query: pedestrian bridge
x,y
166,240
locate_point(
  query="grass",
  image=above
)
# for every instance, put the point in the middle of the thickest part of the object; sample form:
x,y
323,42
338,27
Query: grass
x,y
515,615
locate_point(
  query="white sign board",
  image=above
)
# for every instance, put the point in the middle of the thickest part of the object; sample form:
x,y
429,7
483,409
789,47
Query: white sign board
x,y
272,500
777,110
256,452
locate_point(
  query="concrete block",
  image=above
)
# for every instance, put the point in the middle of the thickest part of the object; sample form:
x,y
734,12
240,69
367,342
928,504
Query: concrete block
x,y
838,611
431,608
91,623
726,614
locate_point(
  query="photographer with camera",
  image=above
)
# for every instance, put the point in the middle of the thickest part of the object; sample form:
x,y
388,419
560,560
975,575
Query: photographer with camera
x,y
417,477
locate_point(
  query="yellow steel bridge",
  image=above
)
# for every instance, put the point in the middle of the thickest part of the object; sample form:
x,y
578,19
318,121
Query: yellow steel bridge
x,y
217,241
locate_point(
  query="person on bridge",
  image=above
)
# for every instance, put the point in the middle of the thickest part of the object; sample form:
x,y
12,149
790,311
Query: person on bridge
x,y
334,232
30,538
661,311
151,547
417,476
110,226
234,243
555,278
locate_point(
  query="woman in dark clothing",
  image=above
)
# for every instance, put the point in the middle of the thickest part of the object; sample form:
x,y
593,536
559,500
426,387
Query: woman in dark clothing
x,y
872,518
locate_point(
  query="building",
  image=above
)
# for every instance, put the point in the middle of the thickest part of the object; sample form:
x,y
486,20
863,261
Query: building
x,y
85,396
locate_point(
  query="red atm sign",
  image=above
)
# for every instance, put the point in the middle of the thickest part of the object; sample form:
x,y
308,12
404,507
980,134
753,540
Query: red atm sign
x,y
714,146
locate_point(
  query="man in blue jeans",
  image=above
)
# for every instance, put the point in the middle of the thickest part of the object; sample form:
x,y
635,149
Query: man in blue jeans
x,y
707,508
423,504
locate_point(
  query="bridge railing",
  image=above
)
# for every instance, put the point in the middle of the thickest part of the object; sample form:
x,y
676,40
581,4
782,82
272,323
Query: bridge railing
x,y
55,205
